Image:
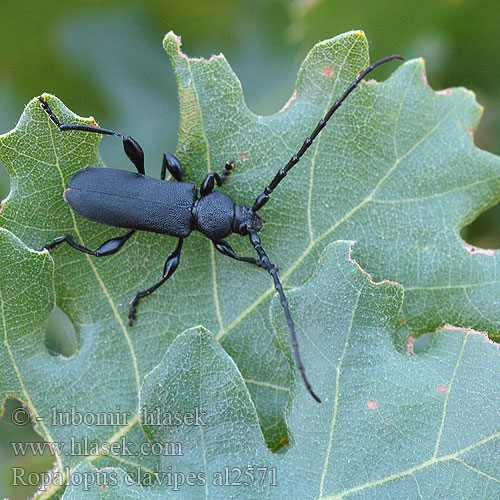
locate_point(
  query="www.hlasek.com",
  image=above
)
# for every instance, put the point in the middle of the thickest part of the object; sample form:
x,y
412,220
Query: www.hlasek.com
x,y
86,448
227,476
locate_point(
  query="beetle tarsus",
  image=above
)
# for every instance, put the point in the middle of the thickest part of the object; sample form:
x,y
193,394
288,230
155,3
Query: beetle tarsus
x,y
226,249
132,311
228,167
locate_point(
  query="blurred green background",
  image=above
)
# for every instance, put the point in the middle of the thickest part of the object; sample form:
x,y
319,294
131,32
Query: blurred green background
x,y
105,58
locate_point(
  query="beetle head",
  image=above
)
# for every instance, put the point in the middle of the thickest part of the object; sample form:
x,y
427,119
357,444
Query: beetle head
x,y
244,219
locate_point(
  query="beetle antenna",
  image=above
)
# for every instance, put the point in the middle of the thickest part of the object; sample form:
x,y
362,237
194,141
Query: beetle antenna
x,y
263,198
254,238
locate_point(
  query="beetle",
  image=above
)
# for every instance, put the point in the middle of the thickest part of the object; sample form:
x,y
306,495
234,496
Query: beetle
x,y
135,201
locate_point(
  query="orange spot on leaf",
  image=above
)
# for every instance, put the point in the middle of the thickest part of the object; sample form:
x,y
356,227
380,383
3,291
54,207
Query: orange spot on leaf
x,y
328,71
372,405
242,156
442,388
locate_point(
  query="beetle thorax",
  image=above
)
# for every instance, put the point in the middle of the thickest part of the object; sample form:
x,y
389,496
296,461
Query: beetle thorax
x,y
213,215
216,215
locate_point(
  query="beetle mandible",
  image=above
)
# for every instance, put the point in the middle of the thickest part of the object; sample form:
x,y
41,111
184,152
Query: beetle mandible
x,y
135,201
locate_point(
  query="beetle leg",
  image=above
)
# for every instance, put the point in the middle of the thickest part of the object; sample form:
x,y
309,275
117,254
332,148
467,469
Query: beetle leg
x,y
226,249
173,165
131,147
109,247
225,173
171,265
207,186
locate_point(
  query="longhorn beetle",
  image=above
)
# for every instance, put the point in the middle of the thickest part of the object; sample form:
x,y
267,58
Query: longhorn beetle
x,y
135,201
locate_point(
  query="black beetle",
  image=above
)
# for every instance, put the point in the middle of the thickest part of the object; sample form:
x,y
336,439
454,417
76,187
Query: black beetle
x,y
135,201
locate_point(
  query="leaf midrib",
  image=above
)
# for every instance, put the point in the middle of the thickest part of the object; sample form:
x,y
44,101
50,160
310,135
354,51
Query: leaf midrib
x,y
209,169
337,392
318,142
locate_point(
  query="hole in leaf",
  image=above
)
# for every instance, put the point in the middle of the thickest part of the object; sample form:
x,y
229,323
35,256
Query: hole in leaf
x,y
4,184
422,343
60,334
484,232
24,455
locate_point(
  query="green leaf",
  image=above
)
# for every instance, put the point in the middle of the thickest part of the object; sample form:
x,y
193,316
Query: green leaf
x,y
198,381
26,298
390,426
396,170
